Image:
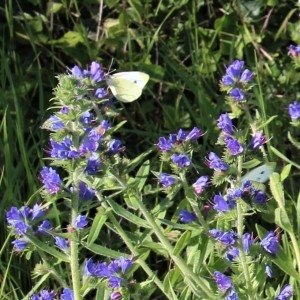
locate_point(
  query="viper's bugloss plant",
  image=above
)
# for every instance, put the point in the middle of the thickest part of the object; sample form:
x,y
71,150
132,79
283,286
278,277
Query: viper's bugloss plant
x,y
217,223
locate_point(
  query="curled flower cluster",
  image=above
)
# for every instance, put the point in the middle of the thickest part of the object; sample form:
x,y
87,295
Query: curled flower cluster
x,y
114,272
235,80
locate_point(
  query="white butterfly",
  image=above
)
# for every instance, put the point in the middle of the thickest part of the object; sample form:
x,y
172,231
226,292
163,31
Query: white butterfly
x,y
127,86
260,174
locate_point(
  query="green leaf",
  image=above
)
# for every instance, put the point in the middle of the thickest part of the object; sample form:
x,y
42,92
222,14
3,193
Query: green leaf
x,y
282,156
100,250
98,222
285,172
293,141
182,242
282,220
142,175
285,263
124,213
48,249
277,189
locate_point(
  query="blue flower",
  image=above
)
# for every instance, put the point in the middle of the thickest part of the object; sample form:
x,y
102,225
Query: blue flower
x,y
61,242
67,294
223,282
166,180
201,184
51,180
235,74
269,271
20,245
63,149
115,147
294,110
181,135
260,197
226,238
115,296
232,253
247,241
93,164
86,118
186,216
43,295
194,134
181,160
80,222
220,203
285,293
225,124
96,269
294,50
56,123
164,144
45,225
258,140
233,145
231,295
270,243
85,193
216,163
237,94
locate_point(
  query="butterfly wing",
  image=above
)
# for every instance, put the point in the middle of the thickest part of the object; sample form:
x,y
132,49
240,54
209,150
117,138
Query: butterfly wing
x,y
260,174
127,86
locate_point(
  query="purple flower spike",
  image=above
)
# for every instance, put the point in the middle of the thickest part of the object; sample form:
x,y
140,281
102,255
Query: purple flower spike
x,y
294,110
181,160
186,216
270,243
223,282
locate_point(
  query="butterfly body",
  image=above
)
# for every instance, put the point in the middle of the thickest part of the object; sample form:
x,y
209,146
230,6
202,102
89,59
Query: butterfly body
x,y
127,86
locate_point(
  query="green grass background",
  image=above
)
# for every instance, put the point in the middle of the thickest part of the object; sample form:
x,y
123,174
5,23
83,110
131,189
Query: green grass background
x,y
183,45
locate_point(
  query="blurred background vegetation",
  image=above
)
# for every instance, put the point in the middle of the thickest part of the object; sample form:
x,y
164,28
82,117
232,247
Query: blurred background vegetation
x,y
183,45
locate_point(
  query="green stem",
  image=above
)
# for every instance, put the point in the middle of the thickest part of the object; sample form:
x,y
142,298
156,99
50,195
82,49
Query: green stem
x,y
74,265
188,274
240,228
